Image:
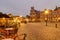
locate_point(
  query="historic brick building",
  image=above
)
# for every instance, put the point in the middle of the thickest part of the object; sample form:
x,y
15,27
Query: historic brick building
x,y
53,15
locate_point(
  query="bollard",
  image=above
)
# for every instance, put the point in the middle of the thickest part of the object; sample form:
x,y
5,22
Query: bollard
x,y
56,25
25,36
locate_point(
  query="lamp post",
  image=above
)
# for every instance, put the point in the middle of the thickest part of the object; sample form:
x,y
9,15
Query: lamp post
x,y
46,12
56,20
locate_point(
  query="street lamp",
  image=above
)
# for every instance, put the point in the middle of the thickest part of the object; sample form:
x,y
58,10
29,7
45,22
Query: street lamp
x,y
3,21
56,19
46,12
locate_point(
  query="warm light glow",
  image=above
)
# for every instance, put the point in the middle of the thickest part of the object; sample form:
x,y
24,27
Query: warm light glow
x,y
27,20
20,16
59,18
45,18
3,18
46,12
18,21
15,19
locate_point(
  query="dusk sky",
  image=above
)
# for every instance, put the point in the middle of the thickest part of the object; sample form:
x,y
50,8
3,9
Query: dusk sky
x,y
22,7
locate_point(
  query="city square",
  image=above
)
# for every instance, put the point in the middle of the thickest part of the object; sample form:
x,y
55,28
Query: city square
x,y
39,31
29,19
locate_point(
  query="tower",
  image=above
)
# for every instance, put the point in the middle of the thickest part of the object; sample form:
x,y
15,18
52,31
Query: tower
x,y
32,13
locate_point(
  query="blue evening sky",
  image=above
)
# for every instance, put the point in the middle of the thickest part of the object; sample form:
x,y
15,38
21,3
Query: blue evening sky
x,y
22,7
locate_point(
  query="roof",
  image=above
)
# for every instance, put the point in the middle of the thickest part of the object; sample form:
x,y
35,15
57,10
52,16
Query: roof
x,y
57,8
